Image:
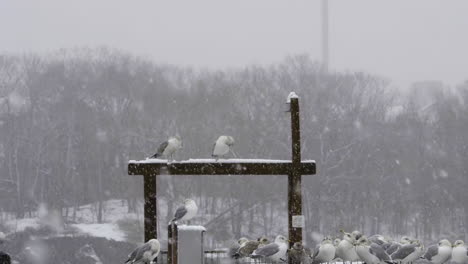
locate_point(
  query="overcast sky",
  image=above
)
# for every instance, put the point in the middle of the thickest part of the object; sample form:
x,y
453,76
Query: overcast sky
x,y
403,40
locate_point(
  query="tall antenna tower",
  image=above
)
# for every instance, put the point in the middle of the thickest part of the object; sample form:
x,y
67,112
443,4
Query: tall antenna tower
x,y
325,51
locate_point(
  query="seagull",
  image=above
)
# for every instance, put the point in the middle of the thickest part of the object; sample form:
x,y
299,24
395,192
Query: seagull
x,y
186,211
371,253
247,248
275,251
357,234
378,239
235,247
459,252
408,253
222,146
345,249
296,254
145,253
167,148
440,253
324,252
392,246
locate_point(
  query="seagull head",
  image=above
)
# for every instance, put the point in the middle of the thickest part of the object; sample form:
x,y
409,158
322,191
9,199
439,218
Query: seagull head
x,y
327,240
298,246
445,243
458,243
357,234
405,240
280,239
154,243
229,141
348,237
336,241
176,140
363,241
263,240
189,202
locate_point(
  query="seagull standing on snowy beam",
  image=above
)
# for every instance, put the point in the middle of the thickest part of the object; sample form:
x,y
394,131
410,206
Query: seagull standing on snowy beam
x,y
186,211
222,146
167,148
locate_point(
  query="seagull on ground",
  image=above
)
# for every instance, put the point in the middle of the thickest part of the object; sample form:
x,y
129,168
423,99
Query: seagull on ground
x,y
222,146
186,212
440,253
145,253
378,239
392,246
246,248
345,249
297,254
167,148
408,253
371,253
459,252
324,252
275,251
235,247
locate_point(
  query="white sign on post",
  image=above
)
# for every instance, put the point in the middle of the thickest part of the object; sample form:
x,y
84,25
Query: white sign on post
x,y
298,221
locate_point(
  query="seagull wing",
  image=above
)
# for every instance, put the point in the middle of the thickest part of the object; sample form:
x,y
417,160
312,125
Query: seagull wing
x,y
268,250
180,212
403,252
431,252
379,252
248,247
132,255
161,149
140,251
392,249
316,251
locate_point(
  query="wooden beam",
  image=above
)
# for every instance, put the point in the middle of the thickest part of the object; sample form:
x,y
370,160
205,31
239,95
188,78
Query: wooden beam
x,y
220,168
150,207
295,217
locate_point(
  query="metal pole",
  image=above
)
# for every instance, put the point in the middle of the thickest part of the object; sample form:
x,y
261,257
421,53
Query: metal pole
x,y
295,217
151,213
172,243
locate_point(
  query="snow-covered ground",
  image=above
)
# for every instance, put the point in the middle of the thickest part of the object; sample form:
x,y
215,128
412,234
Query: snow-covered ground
x,y
84,223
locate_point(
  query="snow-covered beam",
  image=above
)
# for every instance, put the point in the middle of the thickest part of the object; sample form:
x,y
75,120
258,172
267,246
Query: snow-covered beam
x,y
220,167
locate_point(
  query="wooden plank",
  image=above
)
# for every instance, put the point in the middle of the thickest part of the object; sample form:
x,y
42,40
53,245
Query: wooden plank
x,y
220,168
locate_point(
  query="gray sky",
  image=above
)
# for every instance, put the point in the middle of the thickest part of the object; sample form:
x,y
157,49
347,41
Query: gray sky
x,y
404,40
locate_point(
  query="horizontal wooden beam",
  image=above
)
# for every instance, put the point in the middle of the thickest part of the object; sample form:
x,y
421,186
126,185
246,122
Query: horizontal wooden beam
x,y
220,167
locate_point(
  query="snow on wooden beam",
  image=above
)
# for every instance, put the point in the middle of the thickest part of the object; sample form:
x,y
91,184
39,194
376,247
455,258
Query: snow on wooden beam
x,y
220,167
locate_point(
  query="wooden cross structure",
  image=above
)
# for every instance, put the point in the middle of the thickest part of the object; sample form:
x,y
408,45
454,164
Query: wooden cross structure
x,y
294,169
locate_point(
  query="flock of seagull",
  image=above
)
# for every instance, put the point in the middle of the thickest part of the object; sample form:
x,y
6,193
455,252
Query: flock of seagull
x,y
221,147
353,247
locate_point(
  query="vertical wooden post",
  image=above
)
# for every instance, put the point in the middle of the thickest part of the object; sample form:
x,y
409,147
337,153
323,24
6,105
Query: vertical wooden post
x,y
151,214
172,243
295,218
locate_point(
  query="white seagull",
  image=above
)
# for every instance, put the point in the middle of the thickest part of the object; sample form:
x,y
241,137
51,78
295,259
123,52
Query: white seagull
x,y
222,146
345,249
371,253
408,253
459,252
186,211
145,253
324,252
439,253
167,148
275,251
